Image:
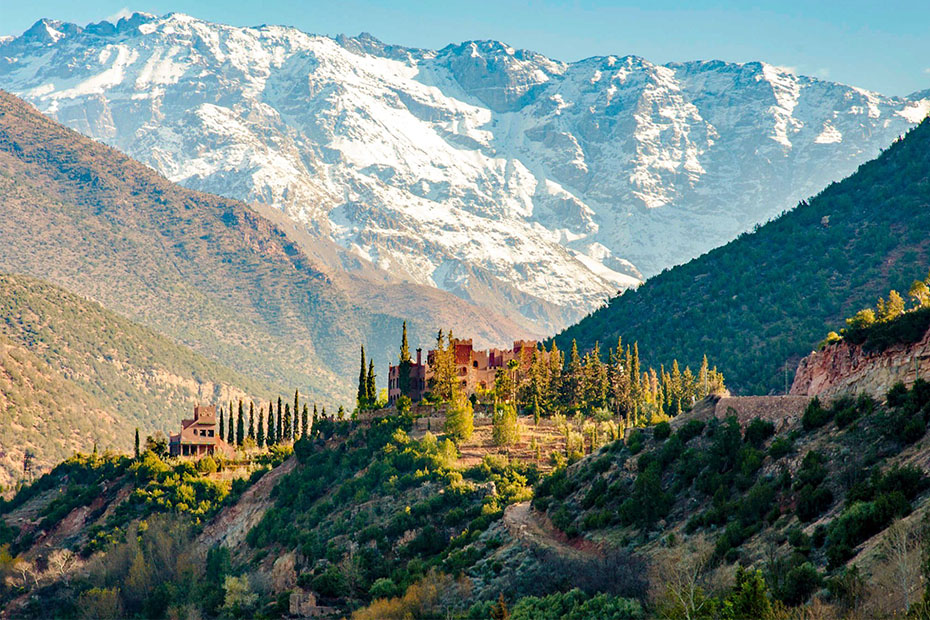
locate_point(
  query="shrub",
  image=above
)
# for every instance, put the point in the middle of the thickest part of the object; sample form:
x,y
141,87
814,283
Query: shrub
x,y
781,447
662,431
800,582
815,415
694,428
758,431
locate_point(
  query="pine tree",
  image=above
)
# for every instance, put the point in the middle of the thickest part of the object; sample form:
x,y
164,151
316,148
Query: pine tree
x,y
252,420
536,411
460,419
323,412
574,379
505,430
286,426
341,414
361,399
260,436
316,415
303,422
137,443
222,424
230,437
371,389
279,431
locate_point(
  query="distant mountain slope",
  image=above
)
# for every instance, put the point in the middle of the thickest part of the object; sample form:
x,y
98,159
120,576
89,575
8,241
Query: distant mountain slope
x,y
511,179
207,272
772,295
73,373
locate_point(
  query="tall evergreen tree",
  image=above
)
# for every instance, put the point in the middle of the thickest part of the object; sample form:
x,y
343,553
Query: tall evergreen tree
x,y
296,411
260,436
361,399
230,436
404,349
371,389
137,444
272,426
286,425
240,425
316,415
279,431
303,422
222,424
341,414
252,420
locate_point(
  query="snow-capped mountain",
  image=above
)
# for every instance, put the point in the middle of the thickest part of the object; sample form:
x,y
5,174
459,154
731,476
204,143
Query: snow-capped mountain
x,y
494,173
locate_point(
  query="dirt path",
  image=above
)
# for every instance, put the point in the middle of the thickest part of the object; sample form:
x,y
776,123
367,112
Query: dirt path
x,y
530,527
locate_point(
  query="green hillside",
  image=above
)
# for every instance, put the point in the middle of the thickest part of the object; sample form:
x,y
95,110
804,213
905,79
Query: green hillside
x,y
759,303
73,373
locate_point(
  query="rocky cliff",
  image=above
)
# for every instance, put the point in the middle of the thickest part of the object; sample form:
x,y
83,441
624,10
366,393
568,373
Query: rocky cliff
x,y
844,368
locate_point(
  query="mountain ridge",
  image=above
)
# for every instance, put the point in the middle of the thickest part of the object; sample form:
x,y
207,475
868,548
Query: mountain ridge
x,y
563,181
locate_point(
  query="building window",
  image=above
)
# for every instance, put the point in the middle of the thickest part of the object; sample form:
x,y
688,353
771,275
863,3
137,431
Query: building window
x,y
210,432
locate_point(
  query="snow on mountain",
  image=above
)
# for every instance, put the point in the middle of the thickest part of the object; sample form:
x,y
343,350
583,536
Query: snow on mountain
x,y
494,173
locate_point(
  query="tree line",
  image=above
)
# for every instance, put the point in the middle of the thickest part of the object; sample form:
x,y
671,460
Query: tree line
x,y
547,382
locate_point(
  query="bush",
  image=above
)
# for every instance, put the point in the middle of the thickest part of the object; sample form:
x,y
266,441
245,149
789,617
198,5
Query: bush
x,y
800,582
758,431
694,428
662,431
815,415
781,447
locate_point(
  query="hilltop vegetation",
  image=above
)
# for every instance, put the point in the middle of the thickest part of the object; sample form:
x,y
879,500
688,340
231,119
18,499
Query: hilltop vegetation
x,y
75,374
759,303
801,506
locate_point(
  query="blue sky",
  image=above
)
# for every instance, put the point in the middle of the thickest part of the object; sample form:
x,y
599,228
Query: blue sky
x,y
884,46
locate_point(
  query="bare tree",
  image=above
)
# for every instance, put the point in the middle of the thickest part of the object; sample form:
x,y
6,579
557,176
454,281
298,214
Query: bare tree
x,y
901,547
683,571
60,562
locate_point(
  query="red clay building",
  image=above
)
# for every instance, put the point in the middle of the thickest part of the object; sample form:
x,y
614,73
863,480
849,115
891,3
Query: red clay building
x,y
199,437
416,388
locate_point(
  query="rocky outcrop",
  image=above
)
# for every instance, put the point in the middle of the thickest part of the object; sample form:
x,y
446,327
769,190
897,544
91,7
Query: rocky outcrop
x,y
845,368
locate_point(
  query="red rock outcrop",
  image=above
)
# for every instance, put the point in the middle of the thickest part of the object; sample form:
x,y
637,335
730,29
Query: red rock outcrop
x,y
844,368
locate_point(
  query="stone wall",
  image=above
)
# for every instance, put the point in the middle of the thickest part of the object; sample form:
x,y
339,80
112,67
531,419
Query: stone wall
x,y
844,368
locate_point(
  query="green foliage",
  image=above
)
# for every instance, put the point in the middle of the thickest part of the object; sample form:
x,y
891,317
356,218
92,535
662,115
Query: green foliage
x,y
460,420
815,415
505,429
661,431
576,605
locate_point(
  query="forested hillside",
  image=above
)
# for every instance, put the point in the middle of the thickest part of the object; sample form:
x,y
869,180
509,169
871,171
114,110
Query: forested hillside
x,y
73,374
759,303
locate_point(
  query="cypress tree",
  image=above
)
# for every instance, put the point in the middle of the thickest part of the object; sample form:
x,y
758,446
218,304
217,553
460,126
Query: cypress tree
x,y
303,422
341,414
371,388
251,420
230,437
361,399
272,427
222,424
316,415
137,443
404,349
240,426
296,412
279,431
260,436
286,425
323,412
